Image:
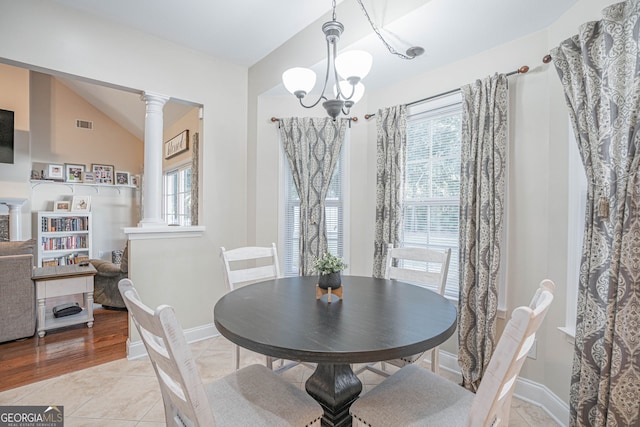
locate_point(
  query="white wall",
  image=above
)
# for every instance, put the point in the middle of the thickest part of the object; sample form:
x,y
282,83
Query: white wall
x,y
45,36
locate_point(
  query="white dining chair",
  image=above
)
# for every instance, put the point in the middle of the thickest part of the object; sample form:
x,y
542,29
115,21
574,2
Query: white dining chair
x,y
244,266
417,397
252,396
423,267
247,265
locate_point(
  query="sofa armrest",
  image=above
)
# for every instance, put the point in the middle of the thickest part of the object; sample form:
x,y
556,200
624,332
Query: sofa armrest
x,y
17,297
105,268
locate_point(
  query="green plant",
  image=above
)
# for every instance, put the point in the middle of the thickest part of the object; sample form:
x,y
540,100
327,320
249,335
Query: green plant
x,y
328,263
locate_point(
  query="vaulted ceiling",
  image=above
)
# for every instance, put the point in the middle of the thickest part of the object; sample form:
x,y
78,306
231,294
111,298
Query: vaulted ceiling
x,y
246,31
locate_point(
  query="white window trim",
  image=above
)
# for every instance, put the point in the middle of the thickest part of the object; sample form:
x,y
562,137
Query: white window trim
x,y
577,188
175,168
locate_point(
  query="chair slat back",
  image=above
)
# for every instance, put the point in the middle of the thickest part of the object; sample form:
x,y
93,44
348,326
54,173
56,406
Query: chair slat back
x,y
250,273
183,394
437,263
493,399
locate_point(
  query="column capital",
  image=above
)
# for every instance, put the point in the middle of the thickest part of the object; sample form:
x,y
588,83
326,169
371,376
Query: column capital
x,y
154,97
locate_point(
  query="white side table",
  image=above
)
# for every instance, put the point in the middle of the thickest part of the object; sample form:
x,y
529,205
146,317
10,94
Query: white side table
x,y
63,280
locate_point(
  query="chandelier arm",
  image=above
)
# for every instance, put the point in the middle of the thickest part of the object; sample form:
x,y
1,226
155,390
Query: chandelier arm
x,y
377,31
326,78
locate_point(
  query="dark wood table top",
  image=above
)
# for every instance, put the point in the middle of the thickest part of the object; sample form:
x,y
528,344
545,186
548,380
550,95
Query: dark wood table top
x,y
376,320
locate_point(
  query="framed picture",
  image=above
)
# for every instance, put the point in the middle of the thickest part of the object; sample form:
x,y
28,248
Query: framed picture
x,y
55,172
61,206
88,177
176,145
81,204
122,178
73,173
102,174
134,180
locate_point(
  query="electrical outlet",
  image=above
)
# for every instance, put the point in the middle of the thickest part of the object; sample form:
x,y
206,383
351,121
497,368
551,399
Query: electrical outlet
x,y
533,351
100,254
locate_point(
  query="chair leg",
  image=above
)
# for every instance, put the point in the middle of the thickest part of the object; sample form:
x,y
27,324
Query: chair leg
x,y
235,351
435,361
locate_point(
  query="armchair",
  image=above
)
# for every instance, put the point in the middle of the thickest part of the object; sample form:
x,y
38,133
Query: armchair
x,y
106,281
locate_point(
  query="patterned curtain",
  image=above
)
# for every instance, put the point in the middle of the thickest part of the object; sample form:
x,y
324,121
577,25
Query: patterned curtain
x,y
600,71
482,188
312,146
195,177
391,124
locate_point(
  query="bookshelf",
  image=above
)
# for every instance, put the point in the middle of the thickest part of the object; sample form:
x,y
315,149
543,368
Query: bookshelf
x,y
64,238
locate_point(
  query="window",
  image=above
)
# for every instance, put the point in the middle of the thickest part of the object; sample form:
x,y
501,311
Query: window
x,y
177,196
334,213
577,202
432,184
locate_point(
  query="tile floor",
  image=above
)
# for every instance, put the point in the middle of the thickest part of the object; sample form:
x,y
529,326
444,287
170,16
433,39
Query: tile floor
x,y
125,393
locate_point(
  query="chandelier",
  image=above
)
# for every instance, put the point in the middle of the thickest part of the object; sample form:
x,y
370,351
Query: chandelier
x,y
347,70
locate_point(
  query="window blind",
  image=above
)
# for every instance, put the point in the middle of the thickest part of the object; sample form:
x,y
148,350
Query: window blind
x,y
432,185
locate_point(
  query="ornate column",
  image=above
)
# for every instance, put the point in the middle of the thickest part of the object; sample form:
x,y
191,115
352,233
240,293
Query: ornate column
x,y
152,181
15,213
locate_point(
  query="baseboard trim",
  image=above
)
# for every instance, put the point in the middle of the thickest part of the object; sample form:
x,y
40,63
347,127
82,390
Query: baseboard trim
x,y
136,350
527,390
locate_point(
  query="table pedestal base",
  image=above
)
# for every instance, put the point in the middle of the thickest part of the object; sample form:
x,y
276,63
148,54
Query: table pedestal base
x,y
335,387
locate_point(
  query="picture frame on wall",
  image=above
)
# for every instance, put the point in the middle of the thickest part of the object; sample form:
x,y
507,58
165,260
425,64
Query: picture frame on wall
x,y
73,172
134,180
122,178
89,178
55,172
81,204
103,174
61,206
176,145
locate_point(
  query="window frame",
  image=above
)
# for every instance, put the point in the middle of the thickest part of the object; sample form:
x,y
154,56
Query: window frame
x,y
178,170
576,211
429,109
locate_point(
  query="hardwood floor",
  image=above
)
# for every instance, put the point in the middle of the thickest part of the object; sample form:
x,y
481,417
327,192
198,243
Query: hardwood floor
x,y
64,350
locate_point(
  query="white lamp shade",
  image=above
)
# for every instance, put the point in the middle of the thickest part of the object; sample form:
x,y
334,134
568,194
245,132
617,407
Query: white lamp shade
x,y
346,88
299,79
354,63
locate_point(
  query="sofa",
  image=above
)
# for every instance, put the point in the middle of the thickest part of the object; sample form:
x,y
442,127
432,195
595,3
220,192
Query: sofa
x,y
105,282
17,290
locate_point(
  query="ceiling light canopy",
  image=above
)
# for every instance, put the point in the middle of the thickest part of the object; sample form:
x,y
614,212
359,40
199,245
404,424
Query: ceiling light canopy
x,y
346,70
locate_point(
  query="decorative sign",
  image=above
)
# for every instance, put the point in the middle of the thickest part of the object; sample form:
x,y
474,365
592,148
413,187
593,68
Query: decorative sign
x,y
176,145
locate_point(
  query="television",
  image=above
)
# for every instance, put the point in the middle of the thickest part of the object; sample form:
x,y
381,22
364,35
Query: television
x,y
6,136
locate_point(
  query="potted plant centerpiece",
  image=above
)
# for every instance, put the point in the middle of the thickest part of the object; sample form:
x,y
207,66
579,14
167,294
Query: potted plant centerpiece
x,y
329,267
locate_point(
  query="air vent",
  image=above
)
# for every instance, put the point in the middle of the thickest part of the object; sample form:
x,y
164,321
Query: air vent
x,y
84,124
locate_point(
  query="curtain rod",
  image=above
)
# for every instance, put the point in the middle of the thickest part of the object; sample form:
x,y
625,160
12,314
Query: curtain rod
x,y
351,119
521,70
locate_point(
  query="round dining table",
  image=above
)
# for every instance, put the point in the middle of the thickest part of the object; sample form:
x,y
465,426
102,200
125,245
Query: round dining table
x,y
375,320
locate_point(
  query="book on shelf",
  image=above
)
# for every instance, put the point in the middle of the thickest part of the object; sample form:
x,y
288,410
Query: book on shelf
x,y
71,223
